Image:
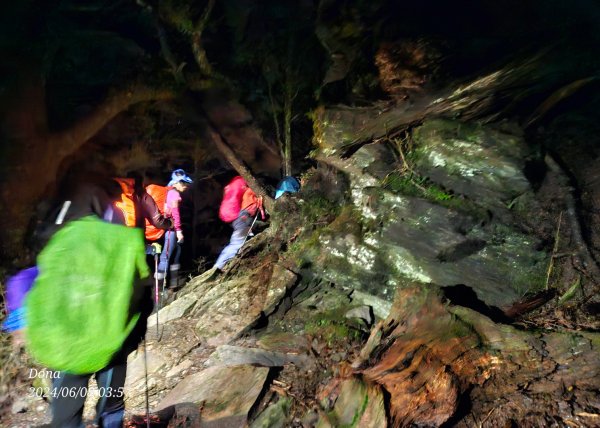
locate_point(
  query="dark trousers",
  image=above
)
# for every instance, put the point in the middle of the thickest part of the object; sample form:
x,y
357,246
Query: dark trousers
x,y
169,259
71,389
67,411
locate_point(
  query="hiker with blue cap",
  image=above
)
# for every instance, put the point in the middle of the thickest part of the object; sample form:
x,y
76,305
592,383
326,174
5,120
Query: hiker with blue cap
x,y
288,184
171,253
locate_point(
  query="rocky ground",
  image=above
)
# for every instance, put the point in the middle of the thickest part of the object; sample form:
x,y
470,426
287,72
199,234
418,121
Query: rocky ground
x,y
243,371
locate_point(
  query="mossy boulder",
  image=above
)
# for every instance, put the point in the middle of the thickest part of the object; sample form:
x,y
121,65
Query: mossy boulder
x,y
480,162
274,416
450,224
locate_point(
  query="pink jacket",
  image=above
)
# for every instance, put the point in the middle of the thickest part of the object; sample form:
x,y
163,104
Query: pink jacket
x,y
172,208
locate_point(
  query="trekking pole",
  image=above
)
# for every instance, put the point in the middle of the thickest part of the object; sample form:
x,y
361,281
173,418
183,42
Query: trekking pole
x,y
168,264
249,230
159,300
146,380
157,251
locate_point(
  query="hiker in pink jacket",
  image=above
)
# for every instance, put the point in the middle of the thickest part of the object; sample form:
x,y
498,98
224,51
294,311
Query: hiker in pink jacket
x,y
171,253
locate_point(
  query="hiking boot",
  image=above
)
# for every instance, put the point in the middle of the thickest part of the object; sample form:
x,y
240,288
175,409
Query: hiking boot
x,y
174,283
174,276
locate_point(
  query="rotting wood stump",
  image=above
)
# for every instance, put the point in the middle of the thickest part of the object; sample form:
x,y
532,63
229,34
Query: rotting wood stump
x,y
439,363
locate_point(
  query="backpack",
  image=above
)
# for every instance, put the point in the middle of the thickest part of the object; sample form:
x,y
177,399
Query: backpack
x,y
126,204
231,204
159,194
84,302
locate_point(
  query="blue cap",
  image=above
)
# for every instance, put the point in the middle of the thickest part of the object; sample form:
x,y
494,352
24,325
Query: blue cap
x,y
180,175
289,184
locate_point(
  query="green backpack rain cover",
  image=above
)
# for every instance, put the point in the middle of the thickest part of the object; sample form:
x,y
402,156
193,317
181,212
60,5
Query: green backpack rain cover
x,y
79,310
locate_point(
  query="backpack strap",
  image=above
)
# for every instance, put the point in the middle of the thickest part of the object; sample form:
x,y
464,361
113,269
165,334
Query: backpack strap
x,y
261,208
63,212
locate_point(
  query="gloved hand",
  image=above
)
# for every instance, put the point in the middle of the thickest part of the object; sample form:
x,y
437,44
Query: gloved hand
x,y
157,248
179,234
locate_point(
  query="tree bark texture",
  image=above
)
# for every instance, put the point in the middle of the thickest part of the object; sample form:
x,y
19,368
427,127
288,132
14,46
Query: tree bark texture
x,y
197,48
441,363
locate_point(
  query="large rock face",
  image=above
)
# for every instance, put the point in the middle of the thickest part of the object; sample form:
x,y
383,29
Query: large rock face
x,y
481,163
224,309
446,215
227,393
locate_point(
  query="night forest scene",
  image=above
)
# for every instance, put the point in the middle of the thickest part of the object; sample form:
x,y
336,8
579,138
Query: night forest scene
x,y
309,213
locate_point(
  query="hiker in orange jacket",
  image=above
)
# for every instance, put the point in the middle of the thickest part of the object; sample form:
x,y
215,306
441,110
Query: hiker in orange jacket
x,y
136,205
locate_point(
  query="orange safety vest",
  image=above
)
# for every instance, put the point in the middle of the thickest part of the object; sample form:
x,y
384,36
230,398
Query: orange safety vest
x,y
159,194
126,204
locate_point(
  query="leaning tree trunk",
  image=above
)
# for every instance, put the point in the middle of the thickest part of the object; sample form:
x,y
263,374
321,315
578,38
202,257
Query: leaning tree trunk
x,y
430,357
35,154
240,168
288,101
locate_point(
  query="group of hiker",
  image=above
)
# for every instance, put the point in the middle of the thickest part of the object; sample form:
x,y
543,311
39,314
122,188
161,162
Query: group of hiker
x,y
84,306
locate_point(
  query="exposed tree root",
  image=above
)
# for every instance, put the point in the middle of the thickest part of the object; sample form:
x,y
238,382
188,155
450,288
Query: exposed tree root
x,y
429,357
584,260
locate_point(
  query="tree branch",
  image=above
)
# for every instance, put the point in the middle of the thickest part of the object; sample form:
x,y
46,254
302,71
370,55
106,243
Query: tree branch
x,y
197,48
165,49
275,121
69,140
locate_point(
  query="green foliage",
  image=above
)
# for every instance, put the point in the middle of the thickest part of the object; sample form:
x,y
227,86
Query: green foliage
x,y
413,185
332,328
303,249
317,213
180,14
316,209
570,293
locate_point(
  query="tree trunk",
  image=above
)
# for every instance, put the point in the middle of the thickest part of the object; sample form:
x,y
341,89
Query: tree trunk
x,y
450,364
241,169
276,125
287,126
35,155
288,101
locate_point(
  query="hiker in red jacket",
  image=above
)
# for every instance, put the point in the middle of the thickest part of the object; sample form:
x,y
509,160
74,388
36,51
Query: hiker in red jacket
x,y
238,198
